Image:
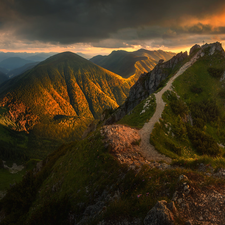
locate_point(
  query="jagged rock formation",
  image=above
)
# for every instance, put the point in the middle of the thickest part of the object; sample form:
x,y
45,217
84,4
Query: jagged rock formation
x,y
147,84
199,206
161,214
194,48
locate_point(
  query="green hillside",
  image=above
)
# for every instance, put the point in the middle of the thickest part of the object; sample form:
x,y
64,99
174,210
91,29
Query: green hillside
x,y
127,64
193,124
59,97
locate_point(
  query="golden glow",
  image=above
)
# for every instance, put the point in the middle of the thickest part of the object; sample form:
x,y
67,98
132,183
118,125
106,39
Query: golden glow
x,y
214,21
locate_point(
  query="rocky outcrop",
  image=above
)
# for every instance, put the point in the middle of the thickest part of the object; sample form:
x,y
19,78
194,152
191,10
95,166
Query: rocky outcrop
x,y
124,143
194,48
198,205
161,214
146,85
19,114
120,138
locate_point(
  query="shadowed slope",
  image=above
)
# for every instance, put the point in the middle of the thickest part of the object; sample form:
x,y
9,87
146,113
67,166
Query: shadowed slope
x,y
3,77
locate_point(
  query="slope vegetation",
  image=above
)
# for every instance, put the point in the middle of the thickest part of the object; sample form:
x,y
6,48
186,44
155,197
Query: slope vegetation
x,y
192,122
135,63
60,96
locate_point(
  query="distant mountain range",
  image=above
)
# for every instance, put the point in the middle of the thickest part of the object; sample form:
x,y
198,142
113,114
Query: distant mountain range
x,y
127,64
13,63
24,55
22,69
61,95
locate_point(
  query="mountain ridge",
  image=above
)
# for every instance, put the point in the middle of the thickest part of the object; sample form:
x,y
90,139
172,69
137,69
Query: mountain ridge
x,y
13,63
134,63
105,180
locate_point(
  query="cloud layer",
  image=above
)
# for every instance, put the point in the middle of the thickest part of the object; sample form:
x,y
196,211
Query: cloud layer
x,y
112,24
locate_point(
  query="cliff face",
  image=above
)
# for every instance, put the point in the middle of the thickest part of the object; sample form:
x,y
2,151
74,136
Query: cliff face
x,y
147,84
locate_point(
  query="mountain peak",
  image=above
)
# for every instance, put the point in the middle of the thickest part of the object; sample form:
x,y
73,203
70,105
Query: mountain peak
x,y
63,86
212,47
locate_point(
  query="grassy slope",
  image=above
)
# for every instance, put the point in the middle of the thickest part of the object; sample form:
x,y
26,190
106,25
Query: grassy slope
x,y
170,135
82,171
66,92
77,174
140,114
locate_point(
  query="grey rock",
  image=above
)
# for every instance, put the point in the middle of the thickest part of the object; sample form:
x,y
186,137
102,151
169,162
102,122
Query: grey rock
x,y
194,48
171,206
188,222
159,215
93,209
182,177
161,61
38,167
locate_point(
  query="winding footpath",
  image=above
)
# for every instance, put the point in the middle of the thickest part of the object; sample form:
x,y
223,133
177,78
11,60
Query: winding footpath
x,y
148,150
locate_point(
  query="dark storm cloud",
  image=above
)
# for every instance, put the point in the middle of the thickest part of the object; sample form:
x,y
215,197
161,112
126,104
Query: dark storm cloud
x,y
93,21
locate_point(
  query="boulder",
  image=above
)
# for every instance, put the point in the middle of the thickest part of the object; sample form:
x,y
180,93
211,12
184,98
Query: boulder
x,y
160,214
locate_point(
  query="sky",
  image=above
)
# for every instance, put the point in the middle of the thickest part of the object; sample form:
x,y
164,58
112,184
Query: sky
x,y
101,26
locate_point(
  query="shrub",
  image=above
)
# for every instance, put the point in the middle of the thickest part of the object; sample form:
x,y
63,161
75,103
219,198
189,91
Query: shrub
x,y
195,89
174,148
202,142
178,107
199,123
52,212
206,110
222,93
215,72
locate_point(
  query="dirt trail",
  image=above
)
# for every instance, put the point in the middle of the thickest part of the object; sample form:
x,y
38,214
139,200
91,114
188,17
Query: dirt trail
x,y
148,150
124,141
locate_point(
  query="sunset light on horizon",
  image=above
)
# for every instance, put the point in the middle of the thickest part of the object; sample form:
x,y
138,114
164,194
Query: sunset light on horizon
x,y
100,27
